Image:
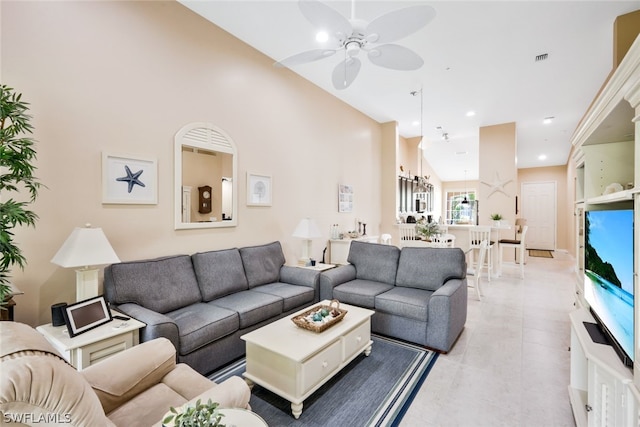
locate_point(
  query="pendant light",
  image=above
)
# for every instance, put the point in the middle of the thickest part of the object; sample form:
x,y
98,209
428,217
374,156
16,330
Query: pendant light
x,y
422,180
465,201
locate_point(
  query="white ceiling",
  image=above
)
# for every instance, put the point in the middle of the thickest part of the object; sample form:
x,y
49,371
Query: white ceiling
x,y
479,56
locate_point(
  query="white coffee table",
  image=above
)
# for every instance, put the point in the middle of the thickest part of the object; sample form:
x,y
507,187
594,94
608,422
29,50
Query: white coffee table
x,y
293,362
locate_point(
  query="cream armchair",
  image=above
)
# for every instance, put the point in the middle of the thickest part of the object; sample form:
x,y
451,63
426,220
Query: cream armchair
x,y
132,388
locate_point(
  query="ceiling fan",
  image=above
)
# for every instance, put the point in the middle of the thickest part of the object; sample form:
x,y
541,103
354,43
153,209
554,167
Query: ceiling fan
x,y
354,35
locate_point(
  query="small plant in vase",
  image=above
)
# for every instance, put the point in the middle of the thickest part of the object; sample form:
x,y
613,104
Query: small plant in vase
x,y
200,415
496,219
427,229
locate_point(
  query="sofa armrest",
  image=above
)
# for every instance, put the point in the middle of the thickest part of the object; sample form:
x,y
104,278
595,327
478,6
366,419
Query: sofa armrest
x,y
299,276
231,393
119,378
158,325
447,314
329,279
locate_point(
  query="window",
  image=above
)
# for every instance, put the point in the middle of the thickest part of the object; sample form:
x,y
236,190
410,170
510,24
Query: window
x,y
458,212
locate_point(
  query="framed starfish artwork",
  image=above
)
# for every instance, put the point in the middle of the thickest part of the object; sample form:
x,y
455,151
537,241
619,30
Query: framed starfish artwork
x,y
129,180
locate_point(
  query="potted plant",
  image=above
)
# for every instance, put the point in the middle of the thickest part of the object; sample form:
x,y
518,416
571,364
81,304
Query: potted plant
x,y
200,415
427,229
17,155
496,219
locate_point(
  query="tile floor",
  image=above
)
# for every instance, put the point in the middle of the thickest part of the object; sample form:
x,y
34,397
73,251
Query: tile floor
x,y
510,366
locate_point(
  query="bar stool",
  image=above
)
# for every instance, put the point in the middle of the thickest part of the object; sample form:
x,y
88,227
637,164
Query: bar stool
x,y
476,235
516,244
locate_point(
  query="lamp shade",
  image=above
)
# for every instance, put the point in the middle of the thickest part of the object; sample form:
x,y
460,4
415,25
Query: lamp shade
x,y
84,247
307,229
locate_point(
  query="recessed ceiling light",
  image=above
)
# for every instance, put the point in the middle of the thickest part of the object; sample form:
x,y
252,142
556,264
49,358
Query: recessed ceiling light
x,y
471,113
415,122
548,120
322,36
461,153
542,157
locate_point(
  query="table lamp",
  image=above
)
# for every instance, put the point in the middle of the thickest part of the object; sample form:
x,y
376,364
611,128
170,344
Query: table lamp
x,y
84,248
307,230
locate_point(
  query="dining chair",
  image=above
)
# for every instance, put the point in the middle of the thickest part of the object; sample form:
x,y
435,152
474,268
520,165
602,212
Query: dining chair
x,y
447,239
385,239
476,235
474,272
407,234
518,244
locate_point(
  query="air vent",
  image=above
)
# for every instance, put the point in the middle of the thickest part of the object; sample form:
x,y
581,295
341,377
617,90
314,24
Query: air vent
x,y
542,57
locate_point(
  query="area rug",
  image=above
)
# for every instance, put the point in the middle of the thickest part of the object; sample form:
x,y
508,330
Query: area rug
x,y
540,253
374,390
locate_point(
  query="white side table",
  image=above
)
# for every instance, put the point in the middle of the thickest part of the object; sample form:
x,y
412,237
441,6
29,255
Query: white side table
x,y
318,267
92,346
242,417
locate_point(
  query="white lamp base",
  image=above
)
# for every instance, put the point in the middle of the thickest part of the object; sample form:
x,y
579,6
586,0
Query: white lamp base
x,y
305,259
86,283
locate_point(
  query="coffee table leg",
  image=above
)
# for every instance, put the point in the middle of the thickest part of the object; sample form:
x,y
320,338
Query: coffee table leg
x,y
296,410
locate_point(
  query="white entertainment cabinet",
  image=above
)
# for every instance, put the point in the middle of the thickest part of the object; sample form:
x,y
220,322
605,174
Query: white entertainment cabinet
x,y
602,391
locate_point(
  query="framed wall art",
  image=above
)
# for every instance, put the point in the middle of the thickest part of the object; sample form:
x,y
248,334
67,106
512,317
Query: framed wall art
x,y
127,179
345,198
259,190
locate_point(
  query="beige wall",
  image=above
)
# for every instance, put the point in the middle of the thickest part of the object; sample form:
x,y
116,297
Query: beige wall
x,y
497,164
564,201
124,77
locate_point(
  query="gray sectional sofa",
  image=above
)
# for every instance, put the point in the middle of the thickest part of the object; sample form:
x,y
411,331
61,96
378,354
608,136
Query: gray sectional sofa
x,y
419,294
203,303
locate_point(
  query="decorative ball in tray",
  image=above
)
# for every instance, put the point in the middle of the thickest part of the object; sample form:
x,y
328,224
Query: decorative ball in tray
x,y
320,317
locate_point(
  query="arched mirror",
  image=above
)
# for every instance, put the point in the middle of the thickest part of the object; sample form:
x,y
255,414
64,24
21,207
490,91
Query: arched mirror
x,y
205,168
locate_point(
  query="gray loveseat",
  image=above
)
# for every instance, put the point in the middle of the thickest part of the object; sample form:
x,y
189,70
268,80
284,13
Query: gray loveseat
x,y
418,294
203,303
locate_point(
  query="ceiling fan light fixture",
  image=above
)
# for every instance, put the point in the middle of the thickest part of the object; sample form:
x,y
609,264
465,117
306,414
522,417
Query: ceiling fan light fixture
x,y
352,48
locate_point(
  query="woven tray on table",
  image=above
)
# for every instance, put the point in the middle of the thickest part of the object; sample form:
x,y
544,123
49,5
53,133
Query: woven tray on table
x,y
305,320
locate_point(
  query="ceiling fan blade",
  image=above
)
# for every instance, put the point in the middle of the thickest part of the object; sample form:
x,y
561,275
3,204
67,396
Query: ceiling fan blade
x,y
345,73
325,18
304,57
399,23
395,57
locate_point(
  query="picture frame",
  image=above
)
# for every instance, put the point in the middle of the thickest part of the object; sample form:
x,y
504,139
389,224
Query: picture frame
x,y
85,315
129,179
259,190
345,198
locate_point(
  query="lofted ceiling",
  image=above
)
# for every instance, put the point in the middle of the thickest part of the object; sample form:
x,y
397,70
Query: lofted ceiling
x,y
478,56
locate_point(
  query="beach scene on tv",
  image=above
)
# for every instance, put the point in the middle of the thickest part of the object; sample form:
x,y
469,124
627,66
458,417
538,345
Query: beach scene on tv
x,y
609,272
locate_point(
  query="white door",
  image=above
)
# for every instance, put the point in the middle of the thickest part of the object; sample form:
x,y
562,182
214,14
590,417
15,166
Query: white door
x,y
539,209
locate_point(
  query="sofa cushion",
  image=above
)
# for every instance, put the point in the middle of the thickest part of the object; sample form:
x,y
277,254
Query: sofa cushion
x,y
219,273
161,284
199,324
262,263
374,261
430,268
252,307
360,292
405,302
293,296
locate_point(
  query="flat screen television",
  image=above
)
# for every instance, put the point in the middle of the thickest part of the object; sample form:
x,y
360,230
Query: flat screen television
x,y
608,271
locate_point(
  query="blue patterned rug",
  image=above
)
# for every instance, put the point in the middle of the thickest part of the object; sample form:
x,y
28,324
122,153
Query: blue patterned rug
x,y
370,391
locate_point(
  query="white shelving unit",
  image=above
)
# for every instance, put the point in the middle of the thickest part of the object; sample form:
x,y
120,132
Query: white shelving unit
x,y
601,388
603,392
